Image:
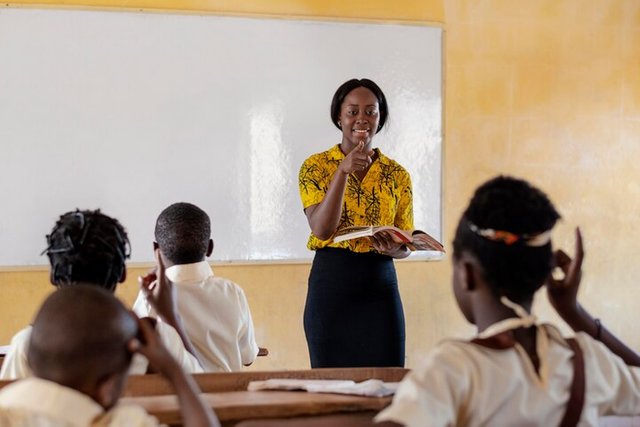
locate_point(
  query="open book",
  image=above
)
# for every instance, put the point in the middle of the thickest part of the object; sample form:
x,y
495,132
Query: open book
x,y
416,240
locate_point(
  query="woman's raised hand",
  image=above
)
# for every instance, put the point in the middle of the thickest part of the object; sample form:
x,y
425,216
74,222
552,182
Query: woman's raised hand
x,y
357,160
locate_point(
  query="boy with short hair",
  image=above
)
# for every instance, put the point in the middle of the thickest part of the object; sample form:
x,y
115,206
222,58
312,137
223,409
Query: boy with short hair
x,y
214,310
89,247
80,350
515,372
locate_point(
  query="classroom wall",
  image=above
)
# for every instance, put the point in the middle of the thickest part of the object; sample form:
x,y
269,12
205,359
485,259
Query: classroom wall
x,y
548,90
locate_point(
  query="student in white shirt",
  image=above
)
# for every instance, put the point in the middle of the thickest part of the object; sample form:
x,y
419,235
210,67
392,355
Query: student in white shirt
x,y
88,247
214,310
516,372
80,349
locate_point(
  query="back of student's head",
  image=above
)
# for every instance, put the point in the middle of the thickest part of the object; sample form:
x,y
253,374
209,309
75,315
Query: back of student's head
x,y
80,337
504,229
183,232
87,247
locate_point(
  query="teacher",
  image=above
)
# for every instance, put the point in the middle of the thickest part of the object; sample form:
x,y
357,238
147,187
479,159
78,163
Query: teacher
x,y
353,314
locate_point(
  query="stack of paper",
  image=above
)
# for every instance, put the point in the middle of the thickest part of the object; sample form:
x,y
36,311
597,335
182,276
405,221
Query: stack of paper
x,y
374,388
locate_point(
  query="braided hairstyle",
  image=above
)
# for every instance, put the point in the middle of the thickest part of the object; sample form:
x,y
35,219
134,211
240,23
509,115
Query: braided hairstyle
x,y
515,270
87,247
182,232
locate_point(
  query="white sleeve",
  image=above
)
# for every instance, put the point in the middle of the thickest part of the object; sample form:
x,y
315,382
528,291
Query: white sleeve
x,y
246,335
15,364
142,308
172,341
612,386
432,394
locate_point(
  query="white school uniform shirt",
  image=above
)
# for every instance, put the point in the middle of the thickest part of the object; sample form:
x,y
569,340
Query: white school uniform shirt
x,y
34,402
465,384
215,314
15,364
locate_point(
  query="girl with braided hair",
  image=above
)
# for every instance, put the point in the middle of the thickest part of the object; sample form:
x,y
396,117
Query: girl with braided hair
x,y
516,372
87,247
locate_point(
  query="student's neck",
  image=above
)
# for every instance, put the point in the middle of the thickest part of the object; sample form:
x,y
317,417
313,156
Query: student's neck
x,y
168,263
492,311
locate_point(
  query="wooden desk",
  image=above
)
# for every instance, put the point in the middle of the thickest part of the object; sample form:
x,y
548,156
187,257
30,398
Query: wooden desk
x,y
154,385
232,407
227,395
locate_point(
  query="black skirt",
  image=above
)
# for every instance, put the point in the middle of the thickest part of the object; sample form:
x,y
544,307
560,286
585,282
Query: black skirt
x,y
353,314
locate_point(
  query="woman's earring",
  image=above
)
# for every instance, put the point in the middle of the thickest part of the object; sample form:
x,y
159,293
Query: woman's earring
x,y
339,124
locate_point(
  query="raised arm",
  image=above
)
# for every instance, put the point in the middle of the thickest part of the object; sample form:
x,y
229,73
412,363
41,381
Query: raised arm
x,y
563,295
195,412
161,294
324,217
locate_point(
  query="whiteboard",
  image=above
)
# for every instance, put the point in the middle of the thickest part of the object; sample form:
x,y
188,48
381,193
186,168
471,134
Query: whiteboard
x,y
129,112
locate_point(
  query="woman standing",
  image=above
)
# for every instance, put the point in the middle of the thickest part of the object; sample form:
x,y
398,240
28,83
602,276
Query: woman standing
x,y
353,314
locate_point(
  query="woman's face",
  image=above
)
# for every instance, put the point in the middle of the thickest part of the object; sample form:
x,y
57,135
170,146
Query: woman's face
x,y
359,116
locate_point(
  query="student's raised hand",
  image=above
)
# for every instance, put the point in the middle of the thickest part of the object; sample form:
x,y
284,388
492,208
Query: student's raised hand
x,y
148,344
159,291
563,292
357,160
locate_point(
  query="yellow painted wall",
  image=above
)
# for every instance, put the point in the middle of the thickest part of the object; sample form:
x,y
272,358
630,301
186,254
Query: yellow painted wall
x,y
544,89
400,10
550,90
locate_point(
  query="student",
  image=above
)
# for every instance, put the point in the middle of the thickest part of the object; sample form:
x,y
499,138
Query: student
x,y
214,310
88,247
80,351
514,372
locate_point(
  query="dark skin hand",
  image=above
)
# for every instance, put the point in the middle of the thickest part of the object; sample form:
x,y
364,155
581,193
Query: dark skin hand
x,y
563,296
325,216
195,412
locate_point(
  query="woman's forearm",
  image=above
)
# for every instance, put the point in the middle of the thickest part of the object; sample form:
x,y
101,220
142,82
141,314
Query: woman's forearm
x,y
324,217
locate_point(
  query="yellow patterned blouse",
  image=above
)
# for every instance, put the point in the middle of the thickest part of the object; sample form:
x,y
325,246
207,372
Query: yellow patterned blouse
x,y
384,197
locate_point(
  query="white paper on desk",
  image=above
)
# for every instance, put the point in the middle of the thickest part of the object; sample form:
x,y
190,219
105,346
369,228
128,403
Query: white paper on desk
x,y
373,387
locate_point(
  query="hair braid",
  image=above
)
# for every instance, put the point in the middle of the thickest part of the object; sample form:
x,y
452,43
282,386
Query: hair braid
x,y
89,247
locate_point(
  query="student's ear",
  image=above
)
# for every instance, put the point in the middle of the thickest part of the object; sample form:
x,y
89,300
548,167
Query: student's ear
x,y
468,271
470,276
210,247
123,276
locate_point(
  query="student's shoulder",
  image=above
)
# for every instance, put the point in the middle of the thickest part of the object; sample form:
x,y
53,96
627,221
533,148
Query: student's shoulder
x,y
450,356
223,285
126,414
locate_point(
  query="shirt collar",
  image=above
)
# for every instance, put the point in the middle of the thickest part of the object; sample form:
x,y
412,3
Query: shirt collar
x,y
189,273
39,396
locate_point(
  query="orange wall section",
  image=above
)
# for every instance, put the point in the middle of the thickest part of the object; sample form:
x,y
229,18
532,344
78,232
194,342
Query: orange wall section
x,y
400,10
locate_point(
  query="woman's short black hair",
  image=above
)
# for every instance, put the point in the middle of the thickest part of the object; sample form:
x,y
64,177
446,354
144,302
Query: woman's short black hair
x,y
515,270
348,86
87,247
